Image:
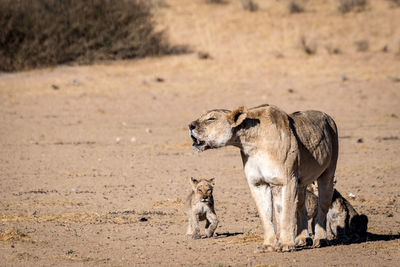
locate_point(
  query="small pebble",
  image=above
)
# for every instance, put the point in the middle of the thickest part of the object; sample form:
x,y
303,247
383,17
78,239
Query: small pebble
x,y
118,139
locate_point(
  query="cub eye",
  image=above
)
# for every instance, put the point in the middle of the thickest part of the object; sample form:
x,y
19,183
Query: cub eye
x,y
211,119
199,190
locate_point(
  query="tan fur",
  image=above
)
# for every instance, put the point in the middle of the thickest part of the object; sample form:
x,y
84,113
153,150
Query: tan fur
x,y
278,149
200,207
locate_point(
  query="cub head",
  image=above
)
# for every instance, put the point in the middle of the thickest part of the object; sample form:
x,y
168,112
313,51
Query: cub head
x,y
214,128
203,189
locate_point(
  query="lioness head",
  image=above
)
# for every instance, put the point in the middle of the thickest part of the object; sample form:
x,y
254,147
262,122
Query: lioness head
x,y
214,128
202,189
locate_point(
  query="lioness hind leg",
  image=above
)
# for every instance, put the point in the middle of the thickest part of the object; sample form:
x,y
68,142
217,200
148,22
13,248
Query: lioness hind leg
x,y
288,215
325,192
302,220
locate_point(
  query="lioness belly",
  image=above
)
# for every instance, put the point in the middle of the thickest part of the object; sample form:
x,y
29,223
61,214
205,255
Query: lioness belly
x,y
261,169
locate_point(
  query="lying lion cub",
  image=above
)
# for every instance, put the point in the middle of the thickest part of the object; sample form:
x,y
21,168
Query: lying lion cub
x,y
342,222
200,207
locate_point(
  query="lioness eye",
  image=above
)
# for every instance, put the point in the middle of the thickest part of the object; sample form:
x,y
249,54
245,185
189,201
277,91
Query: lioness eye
x,y
211,119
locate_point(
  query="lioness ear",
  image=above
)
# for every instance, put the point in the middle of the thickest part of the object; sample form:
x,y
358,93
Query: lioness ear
x,y
211,181
194,182
237,116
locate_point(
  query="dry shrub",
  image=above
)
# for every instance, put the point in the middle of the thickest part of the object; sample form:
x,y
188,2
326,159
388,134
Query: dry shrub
x,y
394,2
295,7
249,5
362,45
345,6
36,33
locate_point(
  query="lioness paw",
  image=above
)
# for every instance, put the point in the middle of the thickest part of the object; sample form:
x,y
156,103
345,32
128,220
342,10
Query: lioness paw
x,y
320,243
264,248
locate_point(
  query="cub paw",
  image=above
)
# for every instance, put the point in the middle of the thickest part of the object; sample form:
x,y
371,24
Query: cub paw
x,y
302,242
194,236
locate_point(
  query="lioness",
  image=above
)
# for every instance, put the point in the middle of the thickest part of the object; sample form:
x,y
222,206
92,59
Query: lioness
x,y
278,149
343,221
200,207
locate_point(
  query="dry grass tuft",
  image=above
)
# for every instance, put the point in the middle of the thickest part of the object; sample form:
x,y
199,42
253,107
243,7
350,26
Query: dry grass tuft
x,y
164,203
47,32
246,238
394,2
249,5
295,7
345,6
70,218
15,235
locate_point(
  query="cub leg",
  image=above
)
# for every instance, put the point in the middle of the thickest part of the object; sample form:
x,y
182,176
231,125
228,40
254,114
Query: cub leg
x,y
189,229
211,224
263,198
302,219
288,215
195,225
325,192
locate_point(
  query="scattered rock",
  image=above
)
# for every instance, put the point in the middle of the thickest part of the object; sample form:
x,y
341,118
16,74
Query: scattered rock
x,y
117,140
143,219
290,90
159,79
204,55
360,140
133,139
351,195
148,130
54,87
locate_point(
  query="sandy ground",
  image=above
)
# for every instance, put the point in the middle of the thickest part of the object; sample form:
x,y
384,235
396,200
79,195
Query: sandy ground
x,y
95,160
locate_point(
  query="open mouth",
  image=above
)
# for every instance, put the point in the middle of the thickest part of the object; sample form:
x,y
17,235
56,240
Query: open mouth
x,y
196,142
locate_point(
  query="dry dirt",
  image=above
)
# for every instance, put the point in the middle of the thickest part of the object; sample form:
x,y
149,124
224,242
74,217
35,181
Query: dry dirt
x,y
95,160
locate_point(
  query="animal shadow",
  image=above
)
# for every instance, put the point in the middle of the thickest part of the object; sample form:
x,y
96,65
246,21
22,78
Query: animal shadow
x,y
227,234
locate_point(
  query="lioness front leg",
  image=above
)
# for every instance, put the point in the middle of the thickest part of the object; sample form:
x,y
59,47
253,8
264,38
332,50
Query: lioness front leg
x,y
211,224
263,198
288,215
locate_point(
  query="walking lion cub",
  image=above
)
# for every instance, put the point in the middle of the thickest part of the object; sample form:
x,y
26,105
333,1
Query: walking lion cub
x,y
200,207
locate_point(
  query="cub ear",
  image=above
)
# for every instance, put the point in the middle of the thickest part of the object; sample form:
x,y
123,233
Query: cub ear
x,y
236,117
193,181
211,181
